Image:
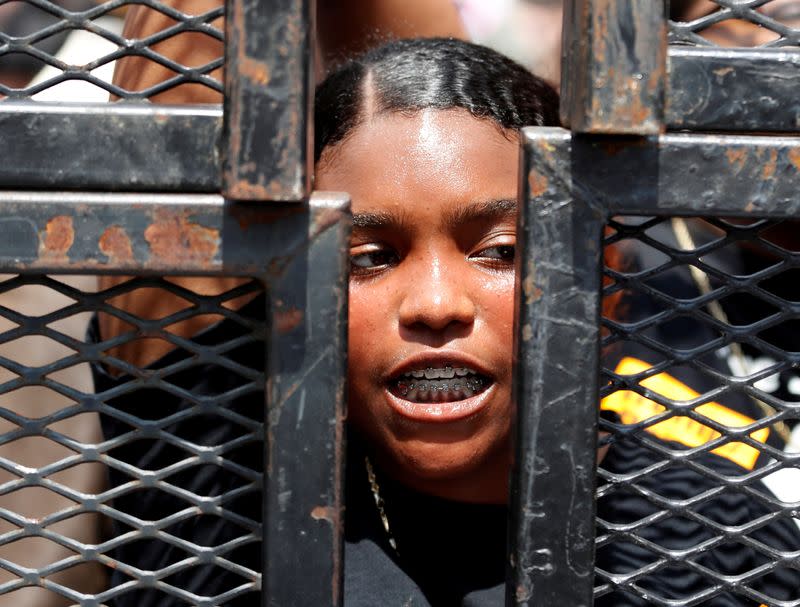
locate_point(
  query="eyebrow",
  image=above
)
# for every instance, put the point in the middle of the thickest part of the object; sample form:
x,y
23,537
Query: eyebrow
x,y
380,219
479,211
485,211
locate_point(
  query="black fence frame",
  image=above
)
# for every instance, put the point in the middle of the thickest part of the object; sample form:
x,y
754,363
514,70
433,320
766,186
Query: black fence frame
x,y
264,224
623,88
73,183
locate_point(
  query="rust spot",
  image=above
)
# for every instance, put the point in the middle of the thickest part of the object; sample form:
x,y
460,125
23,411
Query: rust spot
x,y
58,237
288,320
173,239
324,513
532,292
737,156
254,70
116,245
245,190
527,333
722,72
794,157
537,184
635,112
768,172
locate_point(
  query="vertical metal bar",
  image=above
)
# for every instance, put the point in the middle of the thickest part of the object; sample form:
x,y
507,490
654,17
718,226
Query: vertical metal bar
x,y
268,95
303,493
614,67
556,354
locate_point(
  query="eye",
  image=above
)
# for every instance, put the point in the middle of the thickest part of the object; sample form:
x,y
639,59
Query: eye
x,y
503,253
365,259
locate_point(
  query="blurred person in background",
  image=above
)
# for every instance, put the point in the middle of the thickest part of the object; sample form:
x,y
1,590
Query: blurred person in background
x,y
529,31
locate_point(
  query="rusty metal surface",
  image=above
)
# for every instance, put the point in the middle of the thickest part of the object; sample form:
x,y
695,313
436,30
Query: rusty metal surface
x,y
711,88
614,68
277,388
89,146
553,482
690,174
573,186
147,233
268,95
304,467
682,173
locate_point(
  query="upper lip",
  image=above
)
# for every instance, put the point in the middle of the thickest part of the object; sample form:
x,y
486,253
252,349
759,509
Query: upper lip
x,y
424,360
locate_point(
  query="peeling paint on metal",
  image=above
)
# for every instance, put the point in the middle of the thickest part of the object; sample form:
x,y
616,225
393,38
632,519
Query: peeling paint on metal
x,y
324,513
256,71
57,238
768,172
737,156
527,333
288,320
794,157
115,244
537,184
173,239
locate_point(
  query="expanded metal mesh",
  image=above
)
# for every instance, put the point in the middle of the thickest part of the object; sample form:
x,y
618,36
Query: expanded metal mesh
x,y
44,44
736,23
146,487
697,500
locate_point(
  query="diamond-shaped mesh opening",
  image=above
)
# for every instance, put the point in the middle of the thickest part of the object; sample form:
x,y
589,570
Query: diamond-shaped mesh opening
x,y
66,50
736,23
697,493
127,472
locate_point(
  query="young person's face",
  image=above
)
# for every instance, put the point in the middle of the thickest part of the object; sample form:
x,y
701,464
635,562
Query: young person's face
x,y
431,296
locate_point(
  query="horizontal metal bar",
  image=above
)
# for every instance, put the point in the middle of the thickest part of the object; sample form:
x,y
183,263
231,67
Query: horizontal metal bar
x,y
268,94
614,68
111,147
714,88
95,233
677,174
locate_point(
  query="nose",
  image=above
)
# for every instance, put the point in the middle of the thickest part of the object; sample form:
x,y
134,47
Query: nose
x,y
437,298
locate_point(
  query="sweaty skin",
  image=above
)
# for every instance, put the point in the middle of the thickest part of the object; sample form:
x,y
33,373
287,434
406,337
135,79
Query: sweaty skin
x,y
432,282
342,27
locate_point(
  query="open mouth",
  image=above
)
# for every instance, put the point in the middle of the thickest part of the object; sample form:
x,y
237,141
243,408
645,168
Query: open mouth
x,y
439,384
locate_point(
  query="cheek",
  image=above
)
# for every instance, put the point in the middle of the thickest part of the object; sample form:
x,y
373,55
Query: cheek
x,y
369,327
497,301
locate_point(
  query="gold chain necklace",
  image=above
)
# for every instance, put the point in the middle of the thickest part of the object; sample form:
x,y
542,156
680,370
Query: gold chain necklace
x,y
376,493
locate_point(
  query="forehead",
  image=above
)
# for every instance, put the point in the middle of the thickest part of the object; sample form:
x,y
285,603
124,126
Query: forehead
x,y
429,157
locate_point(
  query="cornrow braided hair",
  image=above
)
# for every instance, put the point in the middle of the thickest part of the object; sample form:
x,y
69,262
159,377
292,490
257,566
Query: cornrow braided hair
x,y
407,76
431,73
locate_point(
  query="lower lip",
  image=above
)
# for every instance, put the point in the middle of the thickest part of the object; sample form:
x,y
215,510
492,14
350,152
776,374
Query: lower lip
x,y
440,412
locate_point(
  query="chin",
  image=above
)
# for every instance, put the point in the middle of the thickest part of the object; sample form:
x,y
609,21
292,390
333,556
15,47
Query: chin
x,y
424,464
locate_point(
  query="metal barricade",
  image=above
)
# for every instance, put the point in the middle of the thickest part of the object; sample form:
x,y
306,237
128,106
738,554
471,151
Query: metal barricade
x,y
235,435
624,179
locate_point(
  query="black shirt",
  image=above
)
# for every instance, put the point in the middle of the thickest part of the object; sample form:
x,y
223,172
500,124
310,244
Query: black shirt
x,y
450,554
